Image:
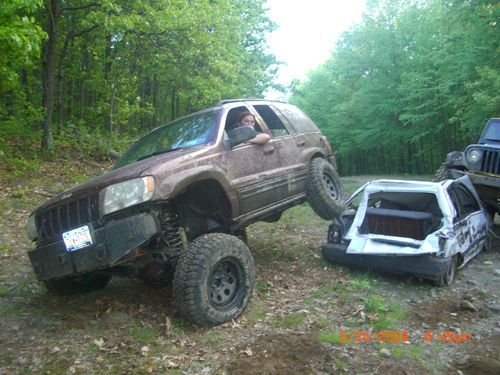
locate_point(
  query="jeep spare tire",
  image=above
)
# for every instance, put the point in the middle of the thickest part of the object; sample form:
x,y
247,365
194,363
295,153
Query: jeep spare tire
x,y
324,190
214,279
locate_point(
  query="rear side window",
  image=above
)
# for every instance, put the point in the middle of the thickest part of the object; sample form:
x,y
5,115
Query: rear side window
x,y
274,123
298,118
463,200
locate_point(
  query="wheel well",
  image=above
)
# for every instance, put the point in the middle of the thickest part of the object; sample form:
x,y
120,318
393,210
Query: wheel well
x,y
317,155
201,201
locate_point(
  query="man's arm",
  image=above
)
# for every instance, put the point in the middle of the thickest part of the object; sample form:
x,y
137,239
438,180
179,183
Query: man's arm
x,y
260,139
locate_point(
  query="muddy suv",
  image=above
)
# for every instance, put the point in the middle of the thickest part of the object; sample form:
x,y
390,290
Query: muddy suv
x,y
175,207
481,162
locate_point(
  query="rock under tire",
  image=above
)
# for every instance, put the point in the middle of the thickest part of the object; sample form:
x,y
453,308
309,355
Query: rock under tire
x,y
324,190
89,282
214,279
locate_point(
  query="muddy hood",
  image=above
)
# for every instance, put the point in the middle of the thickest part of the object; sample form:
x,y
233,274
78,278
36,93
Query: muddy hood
x,y
96,184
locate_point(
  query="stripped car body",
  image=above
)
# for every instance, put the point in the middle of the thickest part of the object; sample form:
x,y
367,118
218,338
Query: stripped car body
x,y
410,227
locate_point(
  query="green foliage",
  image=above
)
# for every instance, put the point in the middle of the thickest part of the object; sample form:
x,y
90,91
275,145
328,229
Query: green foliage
x,y
123,67
144,335
5,249
20,39
332,338
413,81
376,304
292,320
262,287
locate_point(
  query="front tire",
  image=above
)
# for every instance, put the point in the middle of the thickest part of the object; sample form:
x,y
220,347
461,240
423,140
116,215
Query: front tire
x,y
214,279
88,282
442,173
324,190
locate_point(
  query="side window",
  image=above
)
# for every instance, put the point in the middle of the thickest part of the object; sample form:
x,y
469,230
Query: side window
x,y
298,118
232,120
272,120
464,201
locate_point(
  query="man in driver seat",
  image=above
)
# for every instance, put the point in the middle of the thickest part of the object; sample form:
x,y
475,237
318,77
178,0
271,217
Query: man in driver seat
x,y
247,119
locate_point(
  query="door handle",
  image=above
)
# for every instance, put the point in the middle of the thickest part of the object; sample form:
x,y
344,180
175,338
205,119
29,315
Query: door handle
x,y
269,150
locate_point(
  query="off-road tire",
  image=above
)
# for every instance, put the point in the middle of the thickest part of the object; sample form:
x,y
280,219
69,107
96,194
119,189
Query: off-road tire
x,y
442,173
449,275
89,282
324,190
214,279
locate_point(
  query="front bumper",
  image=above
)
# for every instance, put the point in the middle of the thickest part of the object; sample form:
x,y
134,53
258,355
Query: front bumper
x,y
425,266
113,242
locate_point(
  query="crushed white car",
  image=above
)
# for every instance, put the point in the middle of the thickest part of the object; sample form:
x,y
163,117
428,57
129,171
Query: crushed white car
x,y
420,228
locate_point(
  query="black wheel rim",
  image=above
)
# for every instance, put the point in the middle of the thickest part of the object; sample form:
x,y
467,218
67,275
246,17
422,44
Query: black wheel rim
x,y
224,283
331,186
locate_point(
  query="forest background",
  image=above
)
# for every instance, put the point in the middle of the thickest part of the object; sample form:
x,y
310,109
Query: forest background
x,y
409,83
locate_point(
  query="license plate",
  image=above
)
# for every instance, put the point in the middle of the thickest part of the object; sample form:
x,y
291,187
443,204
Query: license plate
x,y
77,238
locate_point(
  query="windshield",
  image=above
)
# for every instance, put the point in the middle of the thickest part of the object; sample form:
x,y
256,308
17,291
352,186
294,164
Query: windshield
x,y
493,131
187,132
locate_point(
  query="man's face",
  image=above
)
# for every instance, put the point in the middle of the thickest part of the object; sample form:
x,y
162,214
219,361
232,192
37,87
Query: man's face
x,y
247,121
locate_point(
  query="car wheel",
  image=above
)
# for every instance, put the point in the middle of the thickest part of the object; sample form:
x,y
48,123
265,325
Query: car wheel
x,y
449,275
89,282
214,279
442,173
324,190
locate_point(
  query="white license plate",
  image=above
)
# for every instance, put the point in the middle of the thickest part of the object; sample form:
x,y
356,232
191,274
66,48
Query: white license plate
x,y
77,238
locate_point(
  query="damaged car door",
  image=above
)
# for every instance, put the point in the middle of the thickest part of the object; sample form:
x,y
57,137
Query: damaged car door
x,y
469,227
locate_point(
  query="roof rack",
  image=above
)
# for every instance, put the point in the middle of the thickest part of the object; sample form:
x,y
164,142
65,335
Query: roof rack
x,y
226,101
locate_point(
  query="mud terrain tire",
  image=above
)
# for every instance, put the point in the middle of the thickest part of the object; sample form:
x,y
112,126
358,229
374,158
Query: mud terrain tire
x,y
442,173
89,282
449,276
324,190
214,279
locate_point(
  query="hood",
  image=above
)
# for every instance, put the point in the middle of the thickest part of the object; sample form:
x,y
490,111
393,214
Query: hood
x,y
127,172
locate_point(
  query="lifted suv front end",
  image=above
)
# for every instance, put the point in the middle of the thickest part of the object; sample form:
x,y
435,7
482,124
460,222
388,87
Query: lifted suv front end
x,y
84,234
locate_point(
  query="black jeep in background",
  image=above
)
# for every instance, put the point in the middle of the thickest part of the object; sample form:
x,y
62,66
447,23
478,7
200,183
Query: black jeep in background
x,y
481,162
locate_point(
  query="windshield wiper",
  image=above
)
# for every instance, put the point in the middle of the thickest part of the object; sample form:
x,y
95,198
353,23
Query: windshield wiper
x,y
159,153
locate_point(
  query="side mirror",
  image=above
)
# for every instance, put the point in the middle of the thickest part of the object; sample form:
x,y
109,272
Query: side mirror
x,y
241,134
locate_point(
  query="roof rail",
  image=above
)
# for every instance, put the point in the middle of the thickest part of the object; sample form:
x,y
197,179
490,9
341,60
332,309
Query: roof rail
x,y
226,101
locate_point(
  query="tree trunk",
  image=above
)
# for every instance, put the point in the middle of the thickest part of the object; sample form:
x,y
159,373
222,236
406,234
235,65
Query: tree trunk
x,y
108,118
60,90
54,10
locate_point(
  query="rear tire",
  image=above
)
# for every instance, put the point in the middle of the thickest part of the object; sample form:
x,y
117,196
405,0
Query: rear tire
x,y
89,282
324,190
214,279
449,275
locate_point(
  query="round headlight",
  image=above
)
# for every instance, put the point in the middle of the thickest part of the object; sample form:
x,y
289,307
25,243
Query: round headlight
x,y
473,156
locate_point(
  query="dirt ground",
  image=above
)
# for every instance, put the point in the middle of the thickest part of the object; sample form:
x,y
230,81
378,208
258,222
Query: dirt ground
x,y
306,316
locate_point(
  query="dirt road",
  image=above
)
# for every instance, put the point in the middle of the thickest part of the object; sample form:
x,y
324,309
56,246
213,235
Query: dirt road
x,y
306,316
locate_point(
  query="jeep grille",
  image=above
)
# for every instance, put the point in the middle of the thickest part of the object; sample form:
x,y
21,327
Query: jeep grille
x,y
69,215
491,162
